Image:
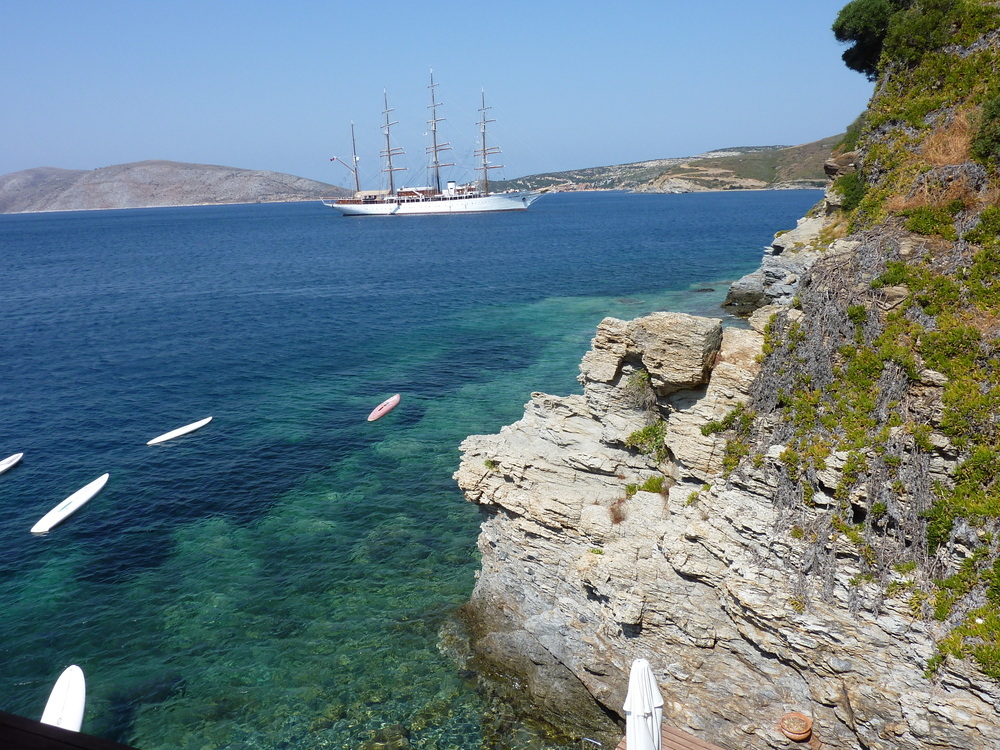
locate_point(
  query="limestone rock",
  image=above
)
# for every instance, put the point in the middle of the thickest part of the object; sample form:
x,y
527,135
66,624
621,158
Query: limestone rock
x,y
701,456
785,263
675,349
580,576
746,294
841,164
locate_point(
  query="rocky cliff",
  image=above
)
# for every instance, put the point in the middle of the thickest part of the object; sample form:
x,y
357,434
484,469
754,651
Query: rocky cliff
x,y
801,516
611,533
150,183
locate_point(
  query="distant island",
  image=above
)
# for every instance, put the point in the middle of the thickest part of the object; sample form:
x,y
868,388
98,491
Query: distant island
x,y
151,183
734,168
169,183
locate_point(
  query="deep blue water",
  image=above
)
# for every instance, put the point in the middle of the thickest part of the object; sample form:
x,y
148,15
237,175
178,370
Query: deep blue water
x,y
283,577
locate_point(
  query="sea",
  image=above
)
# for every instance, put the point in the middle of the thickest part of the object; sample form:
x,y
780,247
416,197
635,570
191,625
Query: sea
x,y
288,576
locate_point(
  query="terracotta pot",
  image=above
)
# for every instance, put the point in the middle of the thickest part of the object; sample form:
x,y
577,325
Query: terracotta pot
x,y
796,726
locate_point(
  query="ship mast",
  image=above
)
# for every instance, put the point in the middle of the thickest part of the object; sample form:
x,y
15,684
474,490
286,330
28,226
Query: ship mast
x,y
389,151
485,151
435,148
354,154
354,161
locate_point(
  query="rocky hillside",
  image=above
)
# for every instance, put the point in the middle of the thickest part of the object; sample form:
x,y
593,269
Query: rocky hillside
x,y
150,183
736,168
803,516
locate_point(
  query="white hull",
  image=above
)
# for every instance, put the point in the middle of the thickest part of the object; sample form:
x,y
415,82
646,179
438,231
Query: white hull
x,y
67,700
436,205
180,431
69,506
10,462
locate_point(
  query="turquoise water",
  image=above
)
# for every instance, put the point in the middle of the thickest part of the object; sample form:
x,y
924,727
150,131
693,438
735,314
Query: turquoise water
x,y
286,577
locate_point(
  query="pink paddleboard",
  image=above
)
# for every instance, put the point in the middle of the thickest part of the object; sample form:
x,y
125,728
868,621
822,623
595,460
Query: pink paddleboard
x,y
384,408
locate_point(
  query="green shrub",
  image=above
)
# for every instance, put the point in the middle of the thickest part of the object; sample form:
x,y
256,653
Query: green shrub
x,y
653,484
738,417
921,28
895,274
650,440
988,228
931,220
951,346
857,314
985,146
852,188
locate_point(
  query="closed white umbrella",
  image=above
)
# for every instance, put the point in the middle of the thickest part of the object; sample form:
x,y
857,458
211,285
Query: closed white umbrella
x,y
643,709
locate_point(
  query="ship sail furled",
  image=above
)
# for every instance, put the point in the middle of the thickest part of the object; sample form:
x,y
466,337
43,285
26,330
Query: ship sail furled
x,y
389,151
435,149
484,151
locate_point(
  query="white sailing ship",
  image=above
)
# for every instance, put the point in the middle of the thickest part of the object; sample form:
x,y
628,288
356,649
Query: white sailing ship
x,y
431,199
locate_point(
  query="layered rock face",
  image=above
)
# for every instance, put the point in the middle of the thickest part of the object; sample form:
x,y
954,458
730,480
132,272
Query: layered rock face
x,y
611,533
794,251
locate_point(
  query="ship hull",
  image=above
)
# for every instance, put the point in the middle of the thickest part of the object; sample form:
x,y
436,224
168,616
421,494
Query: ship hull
x,y
434,205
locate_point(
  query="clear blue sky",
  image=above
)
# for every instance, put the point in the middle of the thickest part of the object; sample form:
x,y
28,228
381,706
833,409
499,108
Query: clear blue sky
x,y
274,85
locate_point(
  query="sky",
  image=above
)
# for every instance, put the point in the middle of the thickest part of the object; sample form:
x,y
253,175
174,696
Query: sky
x,y
276,85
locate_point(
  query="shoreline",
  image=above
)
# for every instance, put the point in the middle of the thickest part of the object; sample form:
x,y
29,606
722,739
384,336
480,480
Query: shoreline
x,y
310,200
163,205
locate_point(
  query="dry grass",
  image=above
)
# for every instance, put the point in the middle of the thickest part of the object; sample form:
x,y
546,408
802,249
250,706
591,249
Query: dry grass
x,y
617,510
835,230
936,194
949,144
984,321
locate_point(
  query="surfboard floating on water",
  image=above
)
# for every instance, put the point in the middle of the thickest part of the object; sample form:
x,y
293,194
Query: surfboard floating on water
x,y
66,701
70,505
10,462
384,408
180,431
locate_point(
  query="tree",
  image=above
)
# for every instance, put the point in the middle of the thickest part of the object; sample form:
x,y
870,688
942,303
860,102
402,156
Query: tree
x,y
865,23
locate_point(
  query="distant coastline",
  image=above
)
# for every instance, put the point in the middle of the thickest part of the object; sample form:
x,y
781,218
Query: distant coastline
x,y
151,184
734,168
172,205
163,184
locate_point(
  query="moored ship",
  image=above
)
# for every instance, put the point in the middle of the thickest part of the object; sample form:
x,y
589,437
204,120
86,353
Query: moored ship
x,y
431,199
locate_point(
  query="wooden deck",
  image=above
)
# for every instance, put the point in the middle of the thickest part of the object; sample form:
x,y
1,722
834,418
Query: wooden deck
x,y
19,733
675,739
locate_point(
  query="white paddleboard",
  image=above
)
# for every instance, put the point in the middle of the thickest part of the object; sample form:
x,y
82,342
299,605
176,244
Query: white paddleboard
x,y
66,701
70,505
10,462
180,431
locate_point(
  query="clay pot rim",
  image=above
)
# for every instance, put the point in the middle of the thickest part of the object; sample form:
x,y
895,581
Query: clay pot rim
x,y
793,734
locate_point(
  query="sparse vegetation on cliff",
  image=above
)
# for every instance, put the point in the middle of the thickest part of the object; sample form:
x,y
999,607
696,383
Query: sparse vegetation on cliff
x,y
650,440
913,324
